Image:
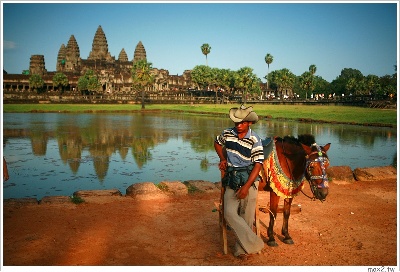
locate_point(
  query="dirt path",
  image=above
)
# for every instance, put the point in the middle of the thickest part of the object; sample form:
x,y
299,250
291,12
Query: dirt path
x,y
355,226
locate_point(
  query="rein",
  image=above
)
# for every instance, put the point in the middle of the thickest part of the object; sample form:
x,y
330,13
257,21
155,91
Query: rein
x,y
321,160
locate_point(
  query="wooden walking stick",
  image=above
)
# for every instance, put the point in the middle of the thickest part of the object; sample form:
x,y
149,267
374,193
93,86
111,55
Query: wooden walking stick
x,y
221,214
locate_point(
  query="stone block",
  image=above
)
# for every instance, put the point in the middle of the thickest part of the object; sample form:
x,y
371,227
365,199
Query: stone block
x,y
145,191
375,173
340,174
202,186
90,193
176,188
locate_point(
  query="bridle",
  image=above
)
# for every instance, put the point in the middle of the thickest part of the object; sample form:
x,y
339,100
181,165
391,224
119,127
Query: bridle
x,y
322,161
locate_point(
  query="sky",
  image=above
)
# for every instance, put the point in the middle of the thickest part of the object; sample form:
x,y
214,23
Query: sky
x,y
332,36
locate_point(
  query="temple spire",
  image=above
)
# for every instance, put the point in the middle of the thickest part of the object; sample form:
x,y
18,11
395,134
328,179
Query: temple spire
x,y
122,55
99,46
61,58
140,52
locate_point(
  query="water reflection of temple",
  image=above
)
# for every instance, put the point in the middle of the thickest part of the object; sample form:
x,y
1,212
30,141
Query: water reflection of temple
x,y
98,139
101,138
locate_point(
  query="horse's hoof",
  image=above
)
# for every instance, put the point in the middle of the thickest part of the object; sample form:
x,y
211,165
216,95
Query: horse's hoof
x,y
288,241
272,244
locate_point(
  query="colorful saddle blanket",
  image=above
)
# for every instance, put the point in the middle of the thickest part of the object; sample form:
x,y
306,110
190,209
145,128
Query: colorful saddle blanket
x,y
281,184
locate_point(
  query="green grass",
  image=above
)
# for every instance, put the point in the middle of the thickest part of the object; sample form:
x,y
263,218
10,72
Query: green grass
x,y
340,114
162,187
76,199
191,189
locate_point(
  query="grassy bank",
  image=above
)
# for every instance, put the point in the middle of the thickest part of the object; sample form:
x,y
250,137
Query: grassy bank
x,y
339,114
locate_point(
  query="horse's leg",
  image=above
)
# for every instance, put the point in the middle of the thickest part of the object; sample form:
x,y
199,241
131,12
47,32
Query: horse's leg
x,y
285,226
273,205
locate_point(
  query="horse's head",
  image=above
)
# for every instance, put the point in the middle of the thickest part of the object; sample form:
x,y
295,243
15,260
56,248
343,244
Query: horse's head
x,y
316,165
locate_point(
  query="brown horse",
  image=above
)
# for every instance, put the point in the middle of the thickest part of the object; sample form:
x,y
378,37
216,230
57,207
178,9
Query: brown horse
x,y
288,164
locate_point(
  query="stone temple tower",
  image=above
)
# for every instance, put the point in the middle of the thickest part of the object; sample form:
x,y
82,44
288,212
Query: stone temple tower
x,y
72,54
123,56
36,65
68,58
99,47
61,58
140,52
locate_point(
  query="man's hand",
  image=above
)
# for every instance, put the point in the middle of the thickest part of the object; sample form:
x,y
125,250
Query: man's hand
x,y
222,165
242,192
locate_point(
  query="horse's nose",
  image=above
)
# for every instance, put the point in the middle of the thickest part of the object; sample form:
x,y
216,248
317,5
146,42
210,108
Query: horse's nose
x,y
323,192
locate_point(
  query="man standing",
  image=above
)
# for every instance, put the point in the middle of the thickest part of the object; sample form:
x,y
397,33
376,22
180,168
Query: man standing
x,y
240,151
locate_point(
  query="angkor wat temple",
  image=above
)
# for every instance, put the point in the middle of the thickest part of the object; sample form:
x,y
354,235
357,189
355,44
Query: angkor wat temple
x,y
114,74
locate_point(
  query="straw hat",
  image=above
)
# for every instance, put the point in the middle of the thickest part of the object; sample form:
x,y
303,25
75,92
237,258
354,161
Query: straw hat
x,y
243,114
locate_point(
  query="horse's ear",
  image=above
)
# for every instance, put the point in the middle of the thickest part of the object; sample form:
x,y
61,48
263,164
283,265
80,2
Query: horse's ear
x,y
306,148
326,147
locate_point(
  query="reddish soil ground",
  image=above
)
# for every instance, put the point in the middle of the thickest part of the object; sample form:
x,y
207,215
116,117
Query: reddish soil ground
x,y
355,226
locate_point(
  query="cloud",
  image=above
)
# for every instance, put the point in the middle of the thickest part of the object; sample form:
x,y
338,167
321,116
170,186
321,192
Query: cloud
x,y
9,45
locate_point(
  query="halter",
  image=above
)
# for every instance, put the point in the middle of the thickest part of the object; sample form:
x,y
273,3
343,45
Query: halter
x,y
321,160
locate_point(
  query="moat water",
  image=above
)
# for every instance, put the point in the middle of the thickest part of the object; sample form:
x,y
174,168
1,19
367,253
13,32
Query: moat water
x,y
51,154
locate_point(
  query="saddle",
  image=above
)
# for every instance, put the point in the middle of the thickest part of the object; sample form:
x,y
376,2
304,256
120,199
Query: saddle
x,y
268,146
272,176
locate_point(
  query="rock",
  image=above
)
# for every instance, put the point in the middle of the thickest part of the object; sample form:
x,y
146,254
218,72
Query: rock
x,y
340,174
176,188
145,191
99,196
90,193
201,185
375,173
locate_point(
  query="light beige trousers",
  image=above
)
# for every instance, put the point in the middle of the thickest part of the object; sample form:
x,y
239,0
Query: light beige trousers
x,y
239,215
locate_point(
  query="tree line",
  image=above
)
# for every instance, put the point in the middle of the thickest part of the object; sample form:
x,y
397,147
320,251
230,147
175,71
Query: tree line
x,y
226,82
350,81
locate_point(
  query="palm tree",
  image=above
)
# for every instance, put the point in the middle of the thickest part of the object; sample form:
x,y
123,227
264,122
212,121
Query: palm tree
x,y
142,76
60,80
284,80
206,49
225,81
36,82
201,76
312,69
268,59
305,81
246,80
89,82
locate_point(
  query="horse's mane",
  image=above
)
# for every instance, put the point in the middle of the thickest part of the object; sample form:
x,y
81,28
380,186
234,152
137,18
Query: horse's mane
x,y
306,139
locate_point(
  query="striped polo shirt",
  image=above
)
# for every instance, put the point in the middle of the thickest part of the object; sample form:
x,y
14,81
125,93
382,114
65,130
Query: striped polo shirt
x,y
241,152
